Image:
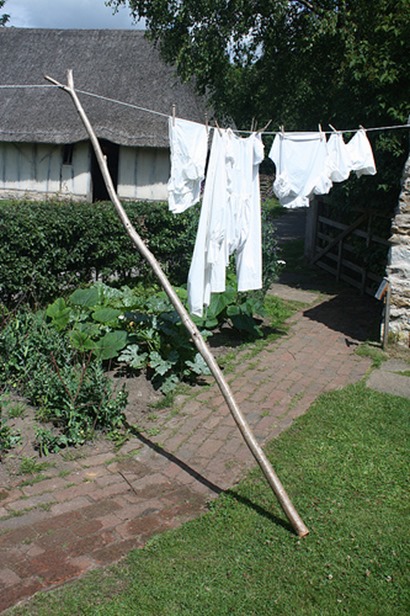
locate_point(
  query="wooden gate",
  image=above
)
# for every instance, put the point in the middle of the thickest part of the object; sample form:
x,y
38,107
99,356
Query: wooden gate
x,y
352,253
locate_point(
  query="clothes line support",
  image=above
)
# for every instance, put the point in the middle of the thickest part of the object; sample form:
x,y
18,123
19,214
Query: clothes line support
x,y
273,480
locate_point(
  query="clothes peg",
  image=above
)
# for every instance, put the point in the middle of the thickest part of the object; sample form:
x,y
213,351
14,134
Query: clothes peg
x,y
282,129
254,124
173,114
206,122
218,127
262,130
333,128
322,134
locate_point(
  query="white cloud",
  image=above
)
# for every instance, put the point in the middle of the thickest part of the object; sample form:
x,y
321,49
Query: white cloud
x,y
65,14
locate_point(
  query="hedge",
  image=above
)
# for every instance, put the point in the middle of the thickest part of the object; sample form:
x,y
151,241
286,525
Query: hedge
x,y
49,249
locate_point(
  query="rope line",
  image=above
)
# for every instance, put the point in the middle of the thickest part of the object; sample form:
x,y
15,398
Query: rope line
x,y
167,115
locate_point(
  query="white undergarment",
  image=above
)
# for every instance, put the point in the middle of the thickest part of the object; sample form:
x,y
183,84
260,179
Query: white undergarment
x,y
189,143
361,154
300,160
230,220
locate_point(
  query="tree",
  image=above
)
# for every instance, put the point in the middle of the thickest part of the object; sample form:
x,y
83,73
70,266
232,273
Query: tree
x,y
296,62
3,18
283,59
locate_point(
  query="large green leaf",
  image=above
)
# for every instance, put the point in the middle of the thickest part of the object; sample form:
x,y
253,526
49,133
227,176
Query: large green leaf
x,y
245,323
158,363
219,302
107,315
133,357
81,341
85,297
59,313
199,366
111,344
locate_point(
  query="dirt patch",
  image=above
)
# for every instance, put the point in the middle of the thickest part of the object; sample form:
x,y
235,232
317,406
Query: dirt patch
x,y
141,397
144,412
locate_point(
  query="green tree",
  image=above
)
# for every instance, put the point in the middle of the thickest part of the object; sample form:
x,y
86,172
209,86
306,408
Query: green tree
x,y
4,17
299,63
288,60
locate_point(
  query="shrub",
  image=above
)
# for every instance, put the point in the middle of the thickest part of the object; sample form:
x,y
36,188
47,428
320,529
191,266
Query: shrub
x,y
49,249
8,437
69,388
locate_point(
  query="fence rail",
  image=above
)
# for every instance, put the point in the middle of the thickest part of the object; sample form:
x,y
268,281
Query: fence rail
x,y
352,253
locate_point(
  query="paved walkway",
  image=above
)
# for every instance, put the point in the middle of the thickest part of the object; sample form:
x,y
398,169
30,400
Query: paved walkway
x,y
90,511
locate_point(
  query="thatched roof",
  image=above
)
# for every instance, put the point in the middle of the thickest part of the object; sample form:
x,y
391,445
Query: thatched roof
x,y
119,64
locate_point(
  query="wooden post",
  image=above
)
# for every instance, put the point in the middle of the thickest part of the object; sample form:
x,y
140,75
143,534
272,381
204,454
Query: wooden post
x,y
386,317
339,260
199,342
311,228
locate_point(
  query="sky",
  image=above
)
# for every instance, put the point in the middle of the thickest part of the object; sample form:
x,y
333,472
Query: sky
x,y
65,14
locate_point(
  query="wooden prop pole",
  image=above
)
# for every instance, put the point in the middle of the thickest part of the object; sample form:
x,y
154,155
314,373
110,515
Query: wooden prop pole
x,y
199,342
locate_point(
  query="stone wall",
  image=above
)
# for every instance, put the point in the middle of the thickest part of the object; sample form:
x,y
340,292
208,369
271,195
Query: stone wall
x,y
398,270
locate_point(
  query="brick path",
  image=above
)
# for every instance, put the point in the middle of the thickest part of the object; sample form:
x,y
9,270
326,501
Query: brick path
x,y
92,510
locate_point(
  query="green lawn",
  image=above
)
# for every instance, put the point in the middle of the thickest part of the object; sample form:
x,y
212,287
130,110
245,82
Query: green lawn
x,y
345,465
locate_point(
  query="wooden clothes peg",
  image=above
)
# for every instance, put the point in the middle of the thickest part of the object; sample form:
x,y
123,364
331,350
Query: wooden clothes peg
x,y
218,127
262,130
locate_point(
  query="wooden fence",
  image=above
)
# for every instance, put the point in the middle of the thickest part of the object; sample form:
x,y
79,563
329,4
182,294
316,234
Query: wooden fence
x,y
352,253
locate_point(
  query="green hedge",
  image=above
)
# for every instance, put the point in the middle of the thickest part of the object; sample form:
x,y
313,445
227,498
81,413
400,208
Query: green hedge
x,y
49,249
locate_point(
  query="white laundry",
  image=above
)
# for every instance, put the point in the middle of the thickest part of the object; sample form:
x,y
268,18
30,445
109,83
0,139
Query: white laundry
x,y
230,219
339,161
361,154
300,160
189,143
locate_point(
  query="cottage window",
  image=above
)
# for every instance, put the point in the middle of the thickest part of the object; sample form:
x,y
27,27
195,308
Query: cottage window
x,y
68,154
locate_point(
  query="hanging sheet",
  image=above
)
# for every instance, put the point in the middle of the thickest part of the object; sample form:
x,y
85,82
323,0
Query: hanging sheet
x,y
230,220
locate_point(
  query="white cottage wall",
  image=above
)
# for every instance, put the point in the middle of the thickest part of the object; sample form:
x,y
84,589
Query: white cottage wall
x,y
35,171
143,173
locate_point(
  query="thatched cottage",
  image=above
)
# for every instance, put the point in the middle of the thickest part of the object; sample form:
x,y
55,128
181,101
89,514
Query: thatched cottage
x,y
44,149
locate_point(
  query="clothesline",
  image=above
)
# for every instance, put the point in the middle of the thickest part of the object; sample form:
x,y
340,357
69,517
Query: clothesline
x,y
167,115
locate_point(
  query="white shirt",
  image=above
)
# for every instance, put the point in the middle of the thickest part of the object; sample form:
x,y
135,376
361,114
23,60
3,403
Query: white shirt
x,y
189,144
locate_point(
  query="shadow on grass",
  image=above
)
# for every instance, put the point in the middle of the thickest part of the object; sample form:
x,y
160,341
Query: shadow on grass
x,y
207,483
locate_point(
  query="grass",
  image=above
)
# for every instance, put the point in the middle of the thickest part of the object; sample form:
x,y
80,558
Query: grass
x,y
344,465
375,353
29,466
13,408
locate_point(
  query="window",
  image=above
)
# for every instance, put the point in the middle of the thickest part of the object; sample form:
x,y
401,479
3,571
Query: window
x,y
68,154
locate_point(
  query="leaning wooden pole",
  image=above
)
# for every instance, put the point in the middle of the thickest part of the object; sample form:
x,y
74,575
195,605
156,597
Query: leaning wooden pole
x,y
256,450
